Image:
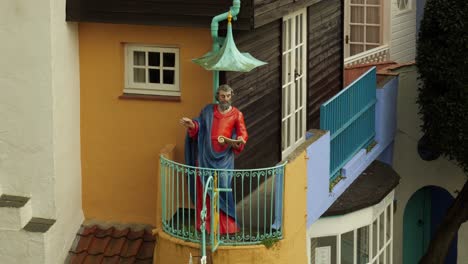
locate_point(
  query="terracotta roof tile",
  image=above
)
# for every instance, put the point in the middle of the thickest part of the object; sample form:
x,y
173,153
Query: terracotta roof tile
x,y
121,233
78,258
111,260
146,250
130,260
136,235
99,245
112,246
84,244
131,247
144,261
100,233
115,247
89,230
91,259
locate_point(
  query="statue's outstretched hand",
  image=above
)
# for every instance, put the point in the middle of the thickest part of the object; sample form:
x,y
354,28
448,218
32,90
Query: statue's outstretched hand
x,y
238,145
187,122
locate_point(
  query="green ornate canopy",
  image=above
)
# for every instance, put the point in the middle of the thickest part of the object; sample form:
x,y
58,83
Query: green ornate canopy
x,y
228,58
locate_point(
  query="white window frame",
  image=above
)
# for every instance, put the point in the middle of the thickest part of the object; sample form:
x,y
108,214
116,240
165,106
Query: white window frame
x,y
148,88
339,225
399,11
384,26
290,68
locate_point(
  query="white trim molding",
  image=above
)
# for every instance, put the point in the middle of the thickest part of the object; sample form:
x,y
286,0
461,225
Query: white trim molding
x,y
294,81
377,244
379,54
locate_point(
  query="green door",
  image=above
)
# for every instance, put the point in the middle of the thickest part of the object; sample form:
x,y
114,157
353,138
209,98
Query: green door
x,y
417,226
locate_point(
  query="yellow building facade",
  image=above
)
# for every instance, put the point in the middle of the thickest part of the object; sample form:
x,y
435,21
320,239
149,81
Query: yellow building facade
x,y
121,137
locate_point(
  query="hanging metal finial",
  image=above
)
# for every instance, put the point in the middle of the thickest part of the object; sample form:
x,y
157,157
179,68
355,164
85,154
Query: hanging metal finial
x,y
229,18
228,58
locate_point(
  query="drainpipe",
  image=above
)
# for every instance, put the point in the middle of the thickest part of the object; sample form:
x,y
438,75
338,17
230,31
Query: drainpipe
x,y
234,10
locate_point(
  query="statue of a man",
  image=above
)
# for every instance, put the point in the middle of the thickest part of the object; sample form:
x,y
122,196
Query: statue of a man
x,y
204,149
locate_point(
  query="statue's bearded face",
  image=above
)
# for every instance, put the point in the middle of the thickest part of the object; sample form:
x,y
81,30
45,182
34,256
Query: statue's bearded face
x,y
224,99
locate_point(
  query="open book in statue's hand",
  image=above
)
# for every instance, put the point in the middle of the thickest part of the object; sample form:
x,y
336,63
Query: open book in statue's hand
x,y
230,141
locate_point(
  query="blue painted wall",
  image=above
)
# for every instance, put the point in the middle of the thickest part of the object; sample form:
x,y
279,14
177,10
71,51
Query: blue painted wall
x,y
319,199
419,13
386,112
441,200
318,171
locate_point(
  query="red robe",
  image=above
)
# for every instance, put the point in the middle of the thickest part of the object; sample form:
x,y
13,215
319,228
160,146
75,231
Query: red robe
x,y
223,125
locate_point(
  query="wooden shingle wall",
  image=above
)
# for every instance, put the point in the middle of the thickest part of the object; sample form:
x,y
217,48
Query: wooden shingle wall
x,y
258,96
156,12
266,11
325,51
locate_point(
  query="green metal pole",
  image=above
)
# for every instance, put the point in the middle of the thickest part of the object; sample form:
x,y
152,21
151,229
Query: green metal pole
x,y
203,233
234,9
215,84
203,216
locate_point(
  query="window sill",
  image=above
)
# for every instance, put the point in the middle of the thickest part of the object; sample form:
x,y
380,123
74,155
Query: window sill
x,y
146,97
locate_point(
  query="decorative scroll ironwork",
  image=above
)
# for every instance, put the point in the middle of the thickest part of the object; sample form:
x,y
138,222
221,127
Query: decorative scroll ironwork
x,y
257,193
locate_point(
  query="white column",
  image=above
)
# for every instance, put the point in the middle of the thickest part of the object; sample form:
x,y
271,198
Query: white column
x,y
26,103
40,113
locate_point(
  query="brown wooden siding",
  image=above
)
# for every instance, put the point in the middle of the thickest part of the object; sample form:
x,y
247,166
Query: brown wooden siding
x,y
266,11
156,12
254,13
258,96
325,51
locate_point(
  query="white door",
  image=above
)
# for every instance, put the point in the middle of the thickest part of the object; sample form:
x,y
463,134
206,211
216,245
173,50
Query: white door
x,y
294,73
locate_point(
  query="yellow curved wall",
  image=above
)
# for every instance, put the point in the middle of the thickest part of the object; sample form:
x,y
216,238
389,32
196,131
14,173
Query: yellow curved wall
x,y
291,249
121,139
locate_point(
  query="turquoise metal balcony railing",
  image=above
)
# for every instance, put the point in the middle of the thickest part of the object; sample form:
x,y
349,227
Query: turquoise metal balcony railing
x,y
258,194
350,117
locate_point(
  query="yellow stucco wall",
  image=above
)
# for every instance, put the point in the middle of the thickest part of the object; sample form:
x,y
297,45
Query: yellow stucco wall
x,y
291,249
121,139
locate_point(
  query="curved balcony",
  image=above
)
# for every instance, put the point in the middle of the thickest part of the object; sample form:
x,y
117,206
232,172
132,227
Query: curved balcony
x,y
258,195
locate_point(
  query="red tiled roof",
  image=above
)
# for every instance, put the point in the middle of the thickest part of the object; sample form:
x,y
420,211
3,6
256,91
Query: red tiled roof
x,y
112,246
351,73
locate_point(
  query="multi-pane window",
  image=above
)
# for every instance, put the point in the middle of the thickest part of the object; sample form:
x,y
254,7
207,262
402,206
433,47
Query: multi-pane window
x,y
294,57
347,247
403,5
368,242
364,25
152,70
362,245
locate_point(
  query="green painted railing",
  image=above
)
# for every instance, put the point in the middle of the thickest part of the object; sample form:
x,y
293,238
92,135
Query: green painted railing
x,y
350,118
258,194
